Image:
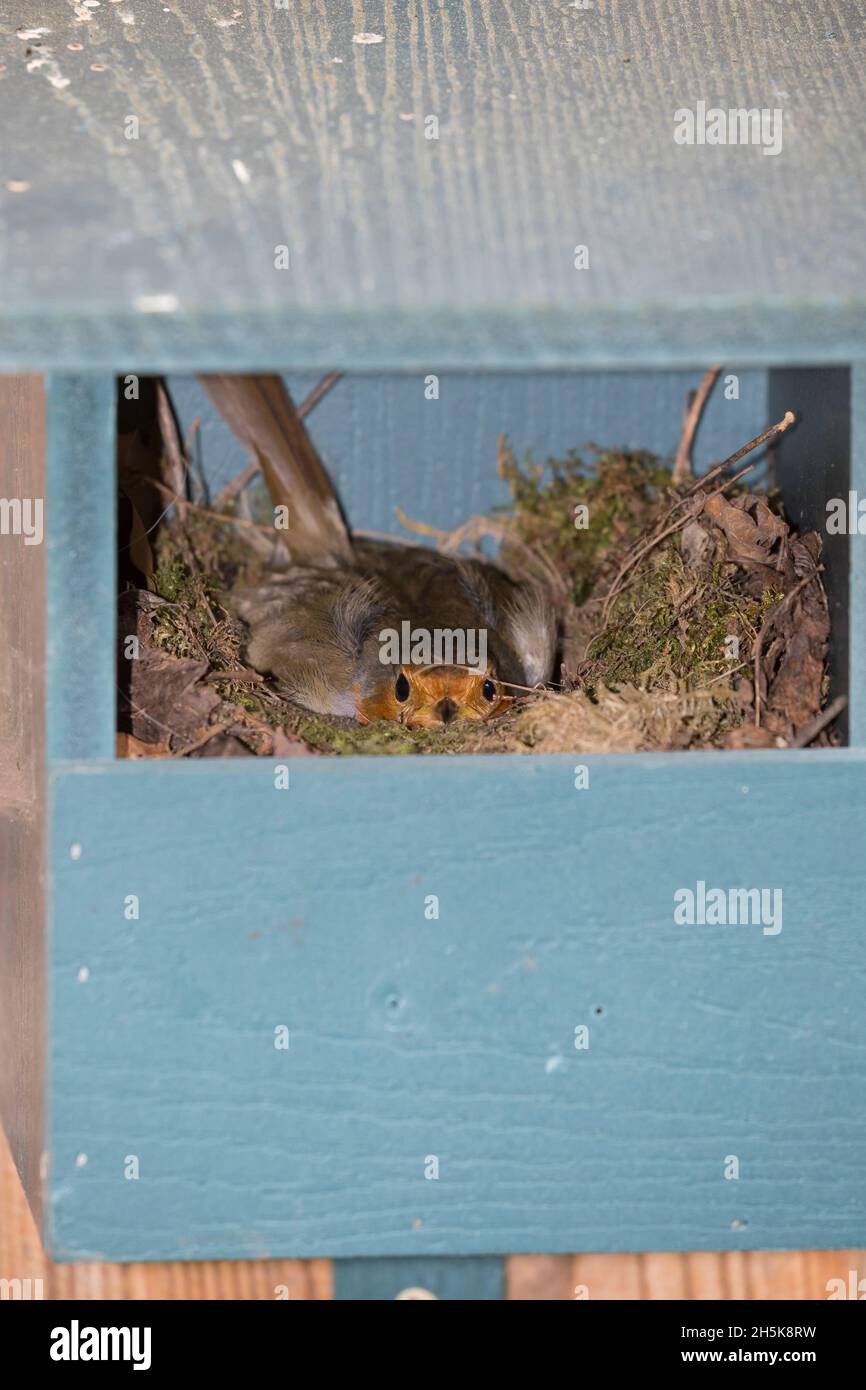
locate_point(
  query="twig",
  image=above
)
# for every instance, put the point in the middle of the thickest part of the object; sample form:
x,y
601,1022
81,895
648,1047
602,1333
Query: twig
x,y
227,518
682,470
421,528
819,723
787,420
378,535
725,675
237,484
192,454
192,434
239,675
192,564
319,390
729,482
205,738
637,552
173,449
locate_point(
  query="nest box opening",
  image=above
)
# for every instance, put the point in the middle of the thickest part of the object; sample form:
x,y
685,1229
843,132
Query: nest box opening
x,y
480,562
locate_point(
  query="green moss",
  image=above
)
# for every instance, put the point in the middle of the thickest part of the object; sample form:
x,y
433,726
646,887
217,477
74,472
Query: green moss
x,y
170,632
170,580
620,489
339,736
671,626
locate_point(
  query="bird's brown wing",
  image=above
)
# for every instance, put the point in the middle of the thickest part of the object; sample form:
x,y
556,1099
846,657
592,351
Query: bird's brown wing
x,y
433,590
316,632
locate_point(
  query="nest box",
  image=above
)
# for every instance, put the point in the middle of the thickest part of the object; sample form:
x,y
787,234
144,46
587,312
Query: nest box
x,y
488,222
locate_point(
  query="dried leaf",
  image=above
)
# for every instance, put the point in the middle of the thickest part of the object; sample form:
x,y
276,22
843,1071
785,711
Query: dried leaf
x,y
163,698
793,661
223,746
696,545
752,530
139,547
127,746
289,745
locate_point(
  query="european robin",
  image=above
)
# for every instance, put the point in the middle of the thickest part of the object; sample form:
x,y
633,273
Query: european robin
x,y
367,628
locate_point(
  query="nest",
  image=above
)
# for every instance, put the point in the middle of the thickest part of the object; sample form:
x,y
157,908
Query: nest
x,y
693,616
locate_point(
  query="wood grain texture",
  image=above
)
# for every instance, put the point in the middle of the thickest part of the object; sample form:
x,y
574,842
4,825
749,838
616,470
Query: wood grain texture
x,y
466,1278
22,784
81,567
22,1257
787,1274
857,599
274,127
386,445
732,1275
305,908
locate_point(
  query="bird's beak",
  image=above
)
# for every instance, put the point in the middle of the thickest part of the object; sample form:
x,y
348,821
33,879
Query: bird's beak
x,y
445,709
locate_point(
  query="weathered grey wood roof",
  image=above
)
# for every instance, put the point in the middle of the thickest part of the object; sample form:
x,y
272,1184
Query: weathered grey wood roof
x,y
261,126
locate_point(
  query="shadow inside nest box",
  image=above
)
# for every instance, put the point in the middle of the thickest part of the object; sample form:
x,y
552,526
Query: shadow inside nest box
x,y
691,611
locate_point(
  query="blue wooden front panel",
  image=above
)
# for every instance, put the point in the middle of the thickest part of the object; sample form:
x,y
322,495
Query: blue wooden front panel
x,y
453,1039
81,560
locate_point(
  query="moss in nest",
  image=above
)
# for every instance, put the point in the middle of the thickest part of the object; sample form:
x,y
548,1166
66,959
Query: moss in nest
x,y
672,626
621,493
629,719
170,579
194,624
343,736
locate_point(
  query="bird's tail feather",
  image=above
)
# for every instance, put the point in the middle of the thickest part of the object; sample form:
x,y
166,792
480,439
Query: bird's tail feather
x,y
261,413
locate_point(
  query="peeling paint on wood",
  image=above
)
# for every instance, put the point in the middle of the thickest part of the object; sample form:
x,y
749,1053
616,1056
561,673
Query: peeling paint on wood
x,y
555,129
410,1038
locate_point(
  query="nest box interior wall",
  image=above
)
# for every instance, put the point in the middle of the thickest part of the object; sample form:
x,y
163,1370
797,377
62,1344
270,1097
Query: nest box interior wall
x,y
387,445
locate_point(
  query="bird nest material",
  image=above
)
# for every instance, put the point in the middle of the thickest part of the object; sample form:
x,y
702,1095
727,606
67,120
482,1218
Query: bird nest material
x,y
693,616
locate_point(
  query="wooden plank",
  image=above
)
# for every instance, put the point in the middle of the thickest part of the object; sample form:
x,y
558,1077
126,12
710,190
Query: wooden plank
x,y
22,1258
607,1276
530,1277
474,1279
857,550
453,1039
81,567
539,1278
189,147
654,336
733,1275
386,445
22,775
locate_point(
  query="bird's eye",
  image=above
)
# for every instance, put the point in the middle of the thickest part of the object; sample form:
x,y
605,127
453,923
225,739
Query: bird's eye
x,y
488,690
401,688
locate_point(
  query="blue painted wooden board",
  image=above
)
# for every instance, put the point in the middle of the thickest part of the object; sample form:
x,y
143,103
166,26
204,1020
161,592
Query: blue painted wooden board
x,y
385,445
454,1038
80,566
275,127
467,1277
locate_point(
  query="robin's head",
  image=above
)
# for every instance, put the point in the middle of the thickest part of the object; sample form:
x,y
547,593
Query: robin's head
x,y
432,697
